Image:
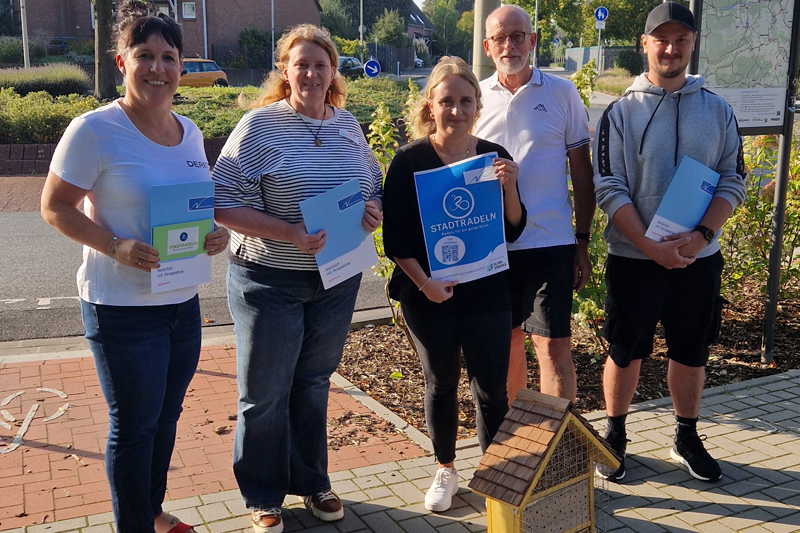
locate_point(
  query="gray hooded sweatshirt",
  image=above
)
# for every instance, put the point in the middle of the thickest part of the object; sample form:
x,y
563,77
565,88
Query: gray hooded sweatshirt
x,y
641,140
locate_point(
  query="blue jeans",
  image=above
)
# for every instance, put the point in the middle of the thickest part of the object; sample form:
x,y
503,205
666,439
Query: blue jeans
x,y
290,333
145,359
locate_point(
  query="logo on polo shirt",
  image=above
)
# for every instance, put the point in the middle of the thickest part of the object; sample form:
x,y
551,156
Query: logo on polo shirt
x,y
540,107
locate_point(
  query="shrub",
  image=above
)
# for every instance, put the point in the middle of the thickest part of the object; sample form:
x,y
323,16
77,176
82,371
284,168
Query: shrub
x,y
630,60
11,50
57,80
38,117
255,45
81,47
347,47
364,95
746,237
584,81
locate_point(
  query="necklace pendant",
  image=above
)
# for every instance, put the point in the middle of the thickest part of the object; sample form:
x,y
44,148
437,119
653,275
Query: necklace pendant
x,y
317,141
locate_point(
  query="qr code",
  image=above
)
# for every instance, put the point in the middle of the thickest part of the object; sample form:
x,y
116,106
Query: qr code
x,y
450,253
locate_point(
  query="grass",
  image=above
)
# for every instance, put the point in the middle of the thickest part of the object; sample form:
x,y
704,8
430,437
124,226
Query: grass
x,y
614,81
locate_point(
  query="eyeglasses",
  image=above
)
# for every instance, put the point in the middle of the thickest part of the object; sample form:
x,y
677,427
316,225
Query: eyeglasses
x,y
518,37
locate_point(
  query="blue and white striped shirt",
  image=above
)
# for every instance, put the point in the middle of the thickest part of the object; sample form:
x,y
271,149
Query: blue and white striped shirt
x,y
270,163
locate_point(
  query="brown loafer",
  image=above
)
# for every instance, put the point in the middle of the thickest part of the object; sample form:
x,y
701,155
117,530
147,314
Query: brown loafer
x,y
325,505
267,521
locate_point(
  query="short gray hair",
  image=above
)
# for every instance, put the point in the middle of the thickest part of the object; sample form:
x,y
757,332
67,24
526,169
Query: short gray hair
x,y
513,7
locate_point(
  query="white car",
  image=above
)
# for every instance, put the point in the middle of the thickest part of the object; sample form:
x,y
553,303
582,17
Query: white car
x,y
418,63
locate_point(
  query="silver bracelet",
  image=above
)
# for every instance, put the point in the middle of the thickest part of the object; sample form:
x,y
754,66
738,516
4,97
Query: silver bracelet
x,y
111,248
423,285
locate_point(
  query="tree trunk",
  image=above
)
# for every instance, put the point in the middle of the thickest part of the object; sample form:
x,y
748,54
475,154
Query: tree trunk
x,y
104,64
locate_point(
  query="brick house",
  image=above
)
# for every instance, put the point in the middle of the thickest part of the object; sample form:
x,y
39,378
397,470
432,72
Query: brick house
x,y
419,26
205,22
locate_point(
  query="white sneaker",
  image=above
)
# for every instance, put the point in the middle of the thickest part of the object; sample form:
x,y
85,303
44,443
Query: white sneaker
x,y
440,496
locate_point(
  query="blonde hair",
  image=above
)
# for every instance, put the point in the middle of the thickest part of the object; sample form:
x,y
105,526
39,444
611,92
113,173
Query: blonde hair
x,y
276,88
422,123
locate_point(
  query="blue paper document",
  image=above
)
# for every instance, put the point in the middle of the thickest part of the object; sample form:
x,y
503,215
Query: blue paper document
x,y
180,218
686,201
461,206
349,248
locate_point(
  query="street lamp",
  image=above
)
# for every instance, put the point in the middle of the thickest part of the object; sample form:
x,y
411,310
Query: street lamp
x,y
445,31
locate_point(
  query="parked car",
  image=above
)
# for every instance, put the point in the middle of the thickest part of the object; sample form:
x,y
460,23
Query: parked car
x,y
350,67
202,73
418,63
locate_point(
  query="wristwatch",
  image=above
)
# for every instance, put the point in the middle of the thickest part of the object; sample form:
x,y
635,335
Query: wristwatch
x,y
708,233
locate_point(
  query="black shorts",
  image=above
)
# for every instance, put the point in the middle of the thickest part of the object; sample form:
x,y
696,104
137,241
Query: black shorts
x,y
540,280
639,293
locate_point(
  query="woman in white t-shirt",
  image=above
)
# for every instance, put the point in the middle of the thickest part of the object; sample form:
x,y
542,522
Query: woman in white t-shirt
x,y
146,346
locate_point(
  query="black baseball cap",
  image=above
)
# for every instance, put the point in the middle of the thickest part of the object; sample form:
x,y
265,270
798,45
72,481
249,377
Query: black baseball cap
x,y
669,12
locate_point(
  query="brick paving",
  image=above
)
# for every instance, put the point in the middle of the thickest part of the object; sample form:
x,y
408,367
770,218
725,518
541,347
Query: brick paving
x,y
19,194
752,427
57,473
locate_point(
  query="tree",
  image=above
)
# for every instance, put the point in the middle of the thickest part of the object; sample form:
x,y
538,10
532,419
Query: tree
x,y
104,64
449,39
390,29
337,19
373,9
7,24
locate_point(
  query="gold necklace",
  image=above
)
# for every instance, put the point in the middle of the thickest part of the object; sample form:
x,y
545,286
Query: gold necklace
x,y
440,146
317,140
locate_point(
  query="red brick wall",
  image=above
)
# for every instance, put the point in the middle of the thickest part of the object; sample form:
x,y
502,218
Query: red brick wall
x,y
58,18
225,19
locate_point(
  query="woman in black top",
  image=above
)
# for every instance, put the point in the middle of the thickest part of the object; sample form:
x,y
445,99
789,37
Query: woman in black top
x,y
444,317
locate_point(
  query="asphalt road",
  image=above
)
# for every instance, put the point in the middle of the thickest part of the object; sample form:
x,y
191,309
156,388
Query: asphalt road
x,y
37,286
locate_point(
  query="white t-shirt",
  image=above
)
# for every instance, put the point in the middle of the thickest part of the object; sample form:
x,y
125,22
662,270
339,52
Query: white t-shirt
x,y
537,125
103,152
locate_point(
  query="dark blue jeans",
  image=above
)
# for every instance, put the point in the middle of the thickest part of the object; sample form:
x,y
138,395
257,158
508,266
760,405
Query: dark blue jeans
x,y
145,359
290,332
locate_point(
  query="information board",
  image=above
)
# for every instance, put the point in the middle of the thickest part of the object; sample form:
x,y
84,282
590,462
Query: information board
x,y
744,57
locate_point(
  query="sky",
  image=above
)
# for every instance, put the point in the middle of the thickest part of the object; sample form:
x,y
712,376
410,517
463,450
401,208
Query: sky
x,y
419,3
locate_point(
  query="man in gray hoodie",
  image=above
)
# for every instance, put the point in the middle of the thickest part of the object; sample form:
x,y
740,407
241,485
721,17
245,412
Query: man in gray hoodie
x,y
640,142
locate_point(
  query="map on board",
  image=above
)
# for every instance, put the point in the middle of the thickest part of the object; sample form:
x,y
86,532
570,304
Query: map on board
x,y
744,56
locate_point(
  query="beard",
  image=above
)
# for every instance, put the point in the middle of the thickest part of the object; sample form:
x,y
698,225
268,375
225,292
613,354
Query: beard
x,y
513,66
669,72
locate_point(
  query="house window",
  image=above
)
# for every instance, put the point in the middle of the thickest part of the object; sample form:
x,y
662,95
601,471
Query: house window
x,y
189,10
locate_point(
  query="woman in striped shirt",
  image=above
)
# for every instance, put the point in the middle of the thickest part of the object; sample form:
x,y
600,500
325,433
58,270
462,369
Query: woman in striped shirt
x,y
290,331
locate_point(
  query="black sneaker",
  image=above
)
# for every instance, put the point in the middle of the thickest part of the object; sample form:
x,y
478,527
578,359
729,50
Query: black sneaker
x,y
689,451
618,443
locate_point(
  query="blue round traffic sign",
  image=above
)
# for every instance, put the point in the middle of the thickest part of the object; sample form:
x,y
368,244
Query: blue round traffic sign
x,y
372,68
556,40
601,14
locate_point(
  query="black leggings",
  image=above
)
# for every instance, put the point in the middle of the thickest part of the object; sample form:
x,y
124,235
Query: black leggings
x,y
485,339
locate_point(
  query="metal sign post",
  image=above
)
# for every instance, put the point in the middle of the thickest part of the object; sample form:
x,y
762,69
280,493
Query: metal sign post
x,y
750,98
779,210
600,16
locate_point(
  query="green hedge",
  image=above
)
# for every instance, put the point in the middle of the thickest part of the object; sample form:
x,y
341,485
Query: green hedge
x,y
630,60
11,50
57,80
38,117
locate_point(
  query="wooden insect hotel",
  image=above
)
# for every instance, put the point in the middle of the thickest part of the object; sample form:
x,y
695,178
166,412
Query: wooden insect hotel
x,y
538,475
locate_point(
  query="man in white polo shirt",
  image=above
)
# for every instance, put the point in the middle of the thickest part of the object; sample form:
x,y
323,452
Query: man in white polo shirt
x,y
541,121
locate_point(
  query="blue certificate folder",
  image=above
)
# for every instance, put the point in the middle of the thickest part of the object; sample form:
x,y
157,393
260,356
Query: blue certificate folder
x,y
686,201
461,206
349,248
181,216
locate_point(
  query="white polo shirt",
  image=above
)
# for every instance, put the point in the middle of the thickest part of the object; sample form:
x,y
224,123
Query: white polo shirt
x,y
537,125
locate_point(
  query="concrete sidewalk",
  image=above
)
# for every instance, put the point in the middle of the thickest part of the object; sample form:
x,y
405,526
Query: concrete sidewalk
x,y
54,481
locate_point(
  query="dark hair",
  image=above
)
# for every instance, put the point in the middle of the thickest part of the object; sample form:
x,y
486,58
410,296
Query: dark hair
x,y
138,20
